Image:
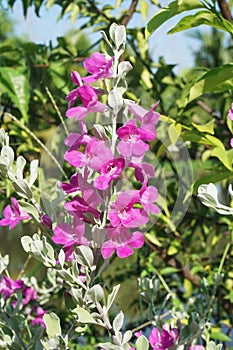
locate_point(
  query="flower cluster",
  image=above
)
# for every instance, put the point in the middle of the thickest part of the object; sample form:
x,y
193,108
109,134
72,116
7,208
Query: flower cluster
x,y
13,215
161,340
9,289
104,156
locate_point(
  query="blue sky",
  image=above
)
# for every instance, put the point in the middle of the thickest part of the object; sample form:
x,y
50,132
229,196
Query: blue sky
x,y
176,48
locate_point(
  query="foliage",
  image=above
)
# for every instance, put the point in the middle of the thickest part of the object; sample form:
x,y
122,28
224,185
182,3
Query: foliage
x,y
187,283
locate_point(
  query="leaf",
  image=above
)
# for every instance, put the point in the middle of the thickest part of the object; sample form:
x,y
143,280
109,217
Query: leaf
x,y
219,336
111,297
84,316
215,177
52,321
117,34
21,187
215,80
226,157
118,322
208,127
143,9
174,133
15,82
30,209
142,343
173,9
4,261
33,171
85,256
200,18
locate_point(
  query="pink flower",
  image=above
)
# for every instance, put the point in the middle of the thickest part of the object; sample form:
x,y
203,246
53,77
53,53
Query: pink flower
x,y
9,286
148,196
143,170
131,139
46,221
122,241
196,347
98,66
147,118
231,142
29,294
78,207
230,112
166,339
13,215
123,211
70,237
39,317
109,171
88,96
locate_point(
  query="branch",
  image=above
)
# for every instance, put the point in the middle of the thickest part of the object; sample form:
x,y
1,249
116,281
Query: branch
x,y
101,13
225,11
130,13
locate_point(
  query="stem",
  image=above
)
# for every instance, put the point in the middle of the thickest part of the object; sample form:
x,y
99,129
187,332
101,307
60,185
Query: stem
x,y
29,132
164,283
9,323
57,110
24,266
223,258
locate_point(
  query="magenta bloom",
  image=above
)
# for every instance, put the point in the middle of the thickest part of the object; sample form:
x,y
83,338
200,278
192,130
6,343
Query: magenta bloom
x,y
231,142
148,196
131,139
196,347
230,112
88,96
98,66
39,317
13,215
9,286
123,211
147,118
166,339
78,207
109,171
122,241
70,237
29,294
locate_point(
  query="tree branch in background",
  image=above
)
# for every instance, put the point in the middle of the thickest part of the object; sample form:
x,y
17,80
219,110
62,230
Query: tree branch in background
x,y
125,20
225,10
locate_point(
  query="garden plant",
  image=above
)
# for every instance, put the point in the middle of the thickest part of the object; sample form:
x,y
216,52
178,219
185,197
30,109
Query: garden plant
x,y
116,190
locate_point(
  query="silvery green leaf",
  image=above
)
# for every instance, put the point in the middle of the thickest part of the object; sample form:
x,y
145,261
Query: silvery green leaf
x,y
109,346
33,171
99,132
117,34
7,155
20,165
4,261
126,337
212,346
142,343
111,297
21,187
85,256
96,293
208,195
115,99
30,209
118,321
52,321
124,67
61,257
84,316
26,243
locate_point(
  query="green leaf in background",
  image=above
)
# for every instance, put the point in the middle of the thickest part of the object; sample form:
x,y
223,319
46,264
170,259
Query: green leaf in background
x,y
52,321
200,18
208,127
215,80
226,157
15,82
173,9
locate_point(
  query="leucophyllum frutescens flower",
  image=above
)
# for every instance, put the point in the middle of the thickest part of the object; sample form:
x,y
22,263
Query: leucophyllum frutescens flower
x,y
102,158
